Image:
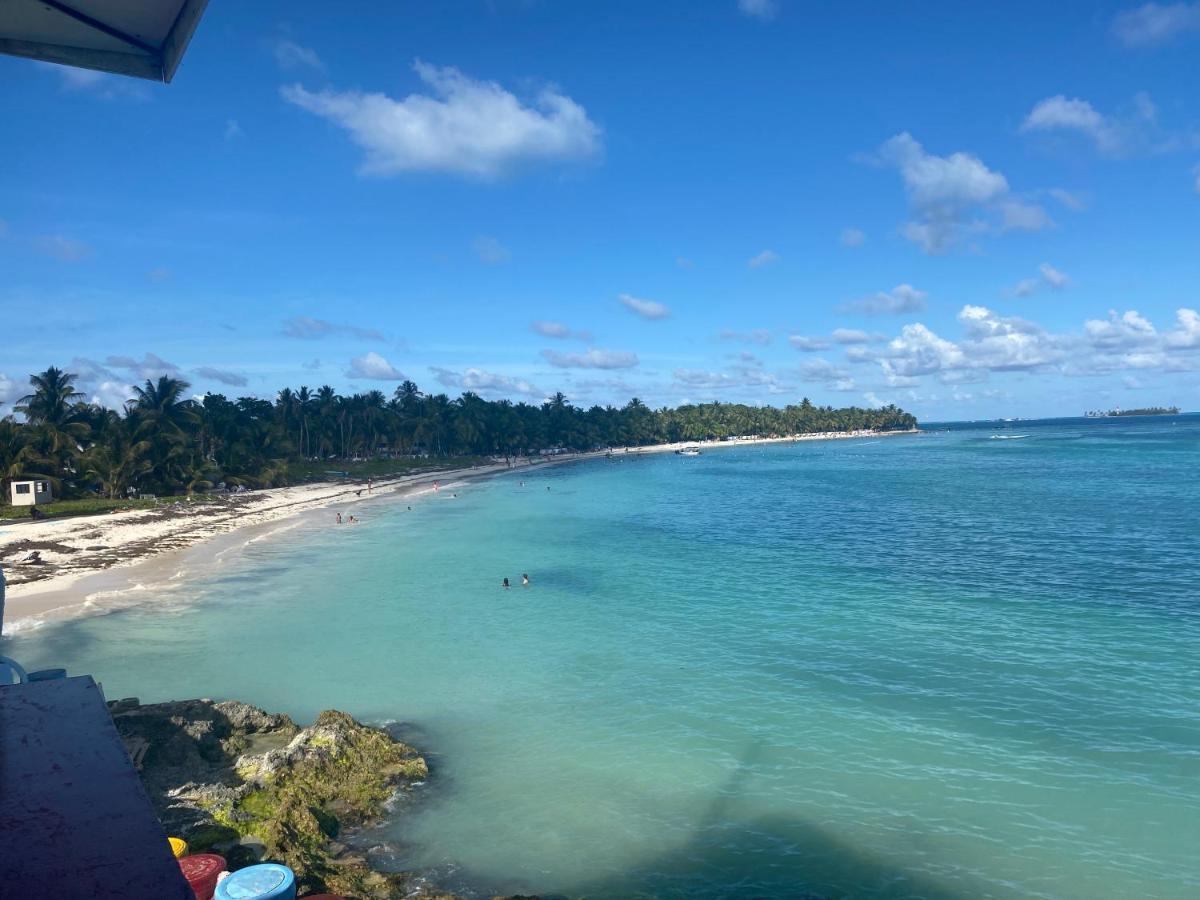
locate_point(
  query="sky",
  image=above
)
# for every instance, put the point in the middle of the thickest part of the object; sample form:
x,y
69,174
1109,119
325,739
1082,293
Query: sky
x,y
969,212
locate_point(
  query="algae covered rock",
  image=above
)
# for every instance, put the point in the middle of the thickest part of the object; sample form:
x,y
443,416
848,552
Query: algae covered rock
x,y
231,777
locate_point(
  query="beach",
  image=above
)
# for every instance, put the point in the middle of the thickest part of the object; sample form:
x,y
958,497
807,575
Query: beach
x,y
87,562
944,661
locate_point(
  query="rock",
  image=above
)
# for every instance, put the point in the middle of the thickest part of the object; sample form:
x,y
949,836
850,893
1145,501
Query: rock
x,y
252,784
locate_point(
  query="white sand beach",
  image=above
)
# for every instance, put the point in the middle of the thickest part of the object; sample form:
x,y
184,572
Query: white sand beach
x,y
87,561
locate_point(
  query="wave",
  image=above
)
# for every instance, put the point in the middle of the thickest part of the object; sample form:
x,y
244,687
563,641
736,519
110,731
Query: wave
x,y
1008,437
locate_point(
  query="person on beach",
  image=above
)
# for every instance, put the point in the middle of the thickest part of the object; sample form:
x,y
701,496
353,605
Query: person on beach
x,y
339,518
435,487
524,581
504,583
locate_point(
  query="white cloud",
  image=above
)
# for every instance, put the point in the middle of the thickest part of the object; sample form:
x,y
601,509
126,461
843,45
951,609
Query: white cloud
x,y
953,196
1156,23
1120,331
150,366
373,367
104,85
222,375
824,371
111,394
1048,276
1017,215
8,389
289,55
591,359
1072,201
903,298
807,344
764,10
486,383
763,259
852,237
308,328
647,309
559,331
1059,113
1186,334
490,251
233,130
62,248
755,336
1053,276
854,336
465,127
1026,287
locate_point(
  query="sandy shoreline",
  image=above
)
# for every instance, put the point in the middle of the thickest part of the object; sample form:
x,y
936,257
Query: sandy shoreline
x,y
86,559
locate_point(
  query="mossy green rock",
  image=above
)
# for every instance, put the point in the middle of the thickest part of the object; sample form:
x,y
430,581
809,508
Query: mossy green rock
x,y
226,776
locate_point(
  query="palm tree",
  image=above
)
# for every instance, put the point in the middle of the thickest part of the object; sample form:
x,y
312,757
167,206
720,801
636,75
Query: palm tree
x,y
52,400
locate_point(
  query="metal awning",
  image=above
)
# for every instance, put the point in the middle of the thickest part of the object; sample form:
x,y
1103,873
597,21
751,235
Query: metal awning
x,y
144,38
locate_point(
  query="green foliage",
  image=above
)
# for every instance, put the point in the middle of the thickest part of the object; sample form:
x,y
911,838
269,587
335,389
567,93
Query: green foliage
x,y
166,443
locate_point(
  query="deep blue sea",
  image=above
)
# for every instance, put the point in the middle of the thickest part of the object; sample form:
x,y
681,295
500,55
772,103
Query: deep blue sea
x,y
958,664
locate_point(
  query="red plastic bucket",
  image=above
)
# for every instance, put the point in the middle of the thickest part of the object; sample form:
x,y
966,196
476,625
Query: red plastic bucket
x,y
201,871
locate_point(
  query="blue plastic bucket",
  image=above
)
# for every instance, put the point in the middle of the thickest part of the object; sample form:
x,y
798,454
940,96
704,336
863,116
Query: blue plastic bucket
x,y
266,881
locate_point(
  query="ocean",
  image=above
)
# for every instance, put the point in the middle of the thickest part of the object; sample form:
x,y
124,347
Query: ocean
x,y
957,664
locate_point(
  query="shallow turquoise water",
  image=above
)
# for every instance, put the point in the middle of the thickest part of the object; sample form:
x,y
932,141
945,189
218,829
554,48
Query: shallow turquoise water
x,y
943,665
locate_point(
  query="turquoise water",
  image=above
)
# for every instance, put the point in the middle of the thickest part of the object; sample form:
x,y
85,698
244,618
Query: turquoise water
x,y
943,665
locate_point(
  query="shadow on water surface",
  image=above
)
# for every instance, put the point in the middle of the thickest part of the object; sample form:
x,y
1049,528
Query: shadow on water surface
x,y
771,857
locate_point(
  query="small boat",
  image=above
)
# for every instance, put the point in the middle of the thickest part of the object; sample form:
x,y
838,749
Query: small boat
x,y
688,451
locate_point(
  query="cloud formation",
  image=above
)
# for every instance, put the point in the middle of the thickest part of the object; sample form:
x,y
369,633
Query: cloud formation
x,y
1048,276
807,344
289,56
371,366
1154,23
149,367
222,375
647,309
763,10
485,383
903,298
754,336
463,126
308,328
852,237
559,331
591,359
1124,341
953,196
763,259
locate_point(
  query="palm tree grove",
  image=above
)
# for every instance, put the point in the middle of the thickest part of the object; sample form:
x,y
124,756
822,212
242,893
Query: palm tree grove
x,y
168,443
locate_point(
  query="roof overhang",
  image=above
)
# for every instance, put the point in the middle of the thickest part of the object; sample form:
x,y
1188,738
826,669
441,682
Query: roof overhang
x,y
143,38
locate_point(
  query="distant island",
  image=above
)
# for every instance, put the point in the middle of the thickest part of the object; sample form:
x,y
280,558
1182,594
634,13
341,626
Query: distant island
x,y
1147,411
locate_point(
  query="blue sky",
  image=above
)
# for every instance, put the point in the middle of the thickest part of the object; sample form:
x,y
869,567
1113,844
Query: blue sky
x,y
968,212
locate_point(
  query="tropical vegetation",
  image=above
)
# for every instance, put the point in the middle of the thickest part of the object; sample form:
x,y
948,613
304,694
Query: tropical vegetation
x,y
167,442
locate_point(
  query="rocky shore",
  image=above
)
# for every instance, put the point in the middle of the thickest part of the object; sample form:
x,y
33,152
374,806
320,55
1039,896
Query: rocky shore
x,y
234,779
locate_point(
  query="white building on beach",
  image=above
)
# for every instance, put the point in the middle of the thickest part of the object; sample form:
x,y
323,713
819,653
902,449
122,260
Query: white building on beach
x,y
29,491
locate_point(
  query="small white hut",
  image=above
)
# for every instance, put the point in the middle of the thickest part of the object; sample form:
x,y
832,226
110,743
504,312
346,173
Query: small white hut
x,y
29,491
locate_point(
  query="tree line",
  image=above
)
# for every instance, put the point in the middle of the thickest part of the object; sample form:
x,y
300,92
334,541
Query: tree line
x,y
166,442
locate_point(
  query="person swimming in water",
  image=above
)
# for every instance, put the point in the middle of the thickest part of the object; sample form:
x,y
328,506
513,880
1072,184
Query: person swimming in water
x,y
524,581
504,584
339,518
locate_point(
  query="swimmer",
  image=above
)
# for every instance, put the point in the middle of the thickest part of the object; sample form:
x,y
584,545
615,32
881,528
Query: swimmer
x,y
524,581
504,584
339,518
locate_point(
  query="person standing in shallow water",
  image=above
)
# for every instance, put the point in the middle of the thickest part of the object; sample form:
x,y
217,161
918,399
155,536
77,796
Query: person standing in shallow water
x,y
524,581
504,584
